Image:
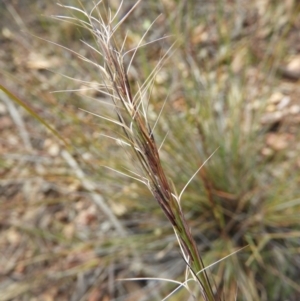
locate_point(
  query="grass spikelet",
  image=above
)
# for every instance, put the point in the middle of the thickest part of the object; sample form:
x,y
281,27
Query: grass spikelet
x,y
137,133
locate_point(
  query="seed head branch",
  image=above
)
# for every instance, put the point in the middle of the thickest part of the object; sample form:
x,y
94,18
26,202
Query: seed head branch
x,y
132,118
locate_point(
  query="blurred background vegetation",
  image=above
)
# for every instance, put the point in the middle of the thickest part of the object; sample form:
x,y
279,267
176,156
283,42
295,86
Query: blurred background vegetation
x,y
70,227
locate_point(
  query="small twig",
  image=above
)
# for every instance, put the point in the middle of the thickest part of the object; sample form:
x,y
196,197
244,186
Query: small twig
x,y
17,118
91,188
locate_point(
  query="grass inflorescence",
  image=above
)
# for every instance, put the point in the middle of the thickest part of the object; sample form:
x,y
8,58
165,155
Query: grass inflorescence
x,y
138,135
